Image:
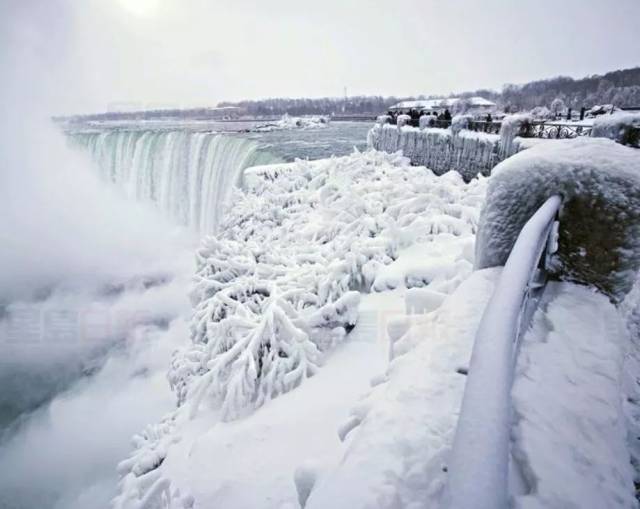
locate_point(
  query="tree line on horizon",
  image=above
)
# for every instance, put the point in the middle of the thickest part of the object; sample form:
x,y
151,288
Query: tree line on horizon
x,y
620,88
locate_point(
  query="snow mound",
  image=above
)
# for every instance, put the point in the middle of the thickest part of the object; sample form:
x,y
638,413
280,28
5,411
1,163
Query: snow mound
x,y
622,127
397,455
287,123
599,240
279,288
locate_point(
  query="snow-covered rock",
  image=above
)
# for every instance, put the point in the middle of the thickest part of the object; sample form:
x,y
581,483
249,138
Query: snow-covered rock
x,y
599,240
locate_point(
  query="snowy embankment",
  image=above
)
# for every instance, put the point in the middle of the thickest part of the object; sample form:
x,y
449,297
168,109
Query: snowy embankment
x,y
397,456
275,298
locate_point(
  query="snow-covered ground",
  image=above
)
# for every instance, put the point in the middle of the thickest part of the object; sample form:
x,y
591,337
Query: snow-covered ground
x,y
570,437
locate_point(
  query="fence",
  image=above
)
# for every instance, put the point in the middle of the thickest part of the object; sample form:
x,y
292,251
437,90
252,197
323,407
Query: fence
x,y
535,129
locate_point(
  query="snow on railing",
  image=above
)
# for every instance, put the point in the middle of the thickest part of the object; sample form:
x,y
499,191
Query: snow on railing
x,y
479,465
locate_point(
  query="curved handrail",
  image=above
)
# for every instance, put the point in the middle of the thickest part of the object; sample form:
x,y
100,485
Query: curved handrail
x,y
479,465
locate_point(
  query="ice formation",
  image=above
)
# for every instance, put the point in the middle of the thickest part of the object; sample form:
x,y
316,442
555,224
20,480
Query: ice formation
x,y
279,287
288,122
466,152
600,185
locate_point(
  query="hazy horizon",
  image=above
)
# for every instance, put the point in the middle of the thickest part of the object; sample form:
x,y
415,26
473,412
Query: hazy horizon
x,y
81,57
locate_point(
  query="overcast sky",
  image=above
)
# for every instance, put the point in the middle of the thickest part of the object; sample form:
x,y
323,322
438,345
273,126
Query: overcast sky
x,y
94,55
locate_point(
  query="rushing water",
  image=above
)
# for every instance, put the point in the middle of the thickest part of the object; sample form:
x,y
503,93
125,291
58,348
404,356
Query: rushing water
x,y
185,174
188,173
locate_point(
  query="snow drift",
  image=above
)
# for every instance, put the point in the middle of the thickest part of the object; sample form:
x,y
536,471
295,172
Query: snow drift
x,y
600,216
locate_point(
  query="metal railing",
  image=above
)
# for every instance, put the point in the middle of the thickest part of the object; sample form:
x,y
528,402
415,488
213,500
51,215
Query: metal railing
x,y
534,129
553,130
479,464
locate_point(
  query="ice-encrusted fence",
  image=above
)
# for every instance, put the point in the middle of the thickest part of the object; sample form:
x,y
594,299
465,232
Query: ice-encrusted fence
x,y
442,150
469,152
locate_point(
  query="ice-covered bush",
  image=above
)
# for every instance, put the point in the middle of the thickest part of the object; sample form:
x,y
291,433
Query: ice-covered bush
x,y
288,122
277,289
541,113
621,127
599,180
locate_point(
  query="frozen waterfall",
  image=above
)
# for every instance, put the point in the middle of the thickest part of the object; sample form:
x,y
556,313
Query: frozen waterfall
x,y
187,175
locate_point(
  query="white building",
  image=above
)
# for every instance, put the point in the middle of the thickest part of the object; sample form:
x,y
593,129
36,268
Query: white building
x,y
475,105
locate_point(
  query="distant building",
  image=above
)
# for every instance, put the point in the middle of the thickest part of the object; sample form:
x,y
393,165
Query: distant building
x,y
475,105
